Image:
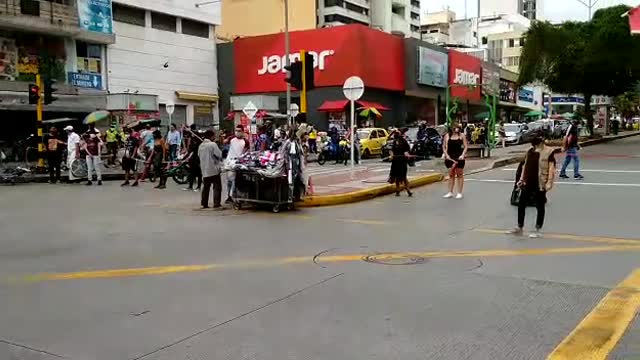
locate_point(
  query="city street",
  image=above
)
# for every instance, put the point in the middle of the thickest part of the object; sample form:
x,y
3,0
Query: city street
x,y
110,273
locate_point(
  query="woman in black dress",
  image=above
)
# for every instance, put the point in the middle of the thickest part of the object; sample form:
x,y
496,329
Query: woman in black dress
x,y
399,163
455,150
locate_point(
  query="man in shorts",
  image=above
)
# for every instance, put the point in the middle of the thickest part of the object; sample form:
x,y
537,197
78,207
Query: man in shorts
x,y
129,159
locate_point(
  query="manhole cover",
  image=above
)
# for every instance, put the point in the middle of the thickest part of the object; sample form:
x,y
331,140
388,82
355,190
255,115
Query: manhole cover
x,y
394,259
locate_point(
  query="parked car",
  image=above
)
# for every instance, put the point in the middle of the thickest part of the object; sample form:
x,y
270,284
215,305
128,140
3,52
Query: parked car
x,y
372,141
522,133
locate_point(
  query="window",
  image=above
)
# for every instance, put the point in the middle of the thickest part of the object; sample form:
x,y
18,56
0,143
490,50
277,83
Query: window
x,y
61,2
521,41
415,16
512,61
89,57
342,19
484,40
415,28
163,22
357,9
30,7
398,10
512,43
128,15
415,3
195,28
381,134
373,135
434,31
328,3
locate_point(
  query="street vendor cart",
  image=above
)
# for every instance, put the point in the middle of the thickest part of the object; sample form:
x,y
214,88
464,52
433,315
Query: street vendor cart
x,y
269,179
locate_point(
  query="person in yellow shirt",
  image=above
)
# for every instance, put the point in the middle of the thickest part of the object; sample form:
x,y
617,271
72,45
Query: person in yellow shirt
x,y
113,139
313,137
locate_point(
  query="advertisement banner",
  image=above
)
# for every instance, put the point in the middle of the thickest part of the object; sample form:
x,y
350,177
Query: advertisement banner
x,y
433,67
525,95
508,91
84,80
490,79
95,15
338,52
8,59
465,76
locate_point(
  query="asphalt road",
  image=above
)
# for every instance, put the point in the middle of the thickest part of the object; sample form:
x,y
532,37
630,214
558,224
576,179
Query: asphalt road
x,y
93,273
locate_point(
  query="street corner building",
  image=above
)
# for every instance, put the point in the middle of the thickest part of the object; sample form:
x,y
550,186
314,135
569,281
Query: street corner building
x,y
388,65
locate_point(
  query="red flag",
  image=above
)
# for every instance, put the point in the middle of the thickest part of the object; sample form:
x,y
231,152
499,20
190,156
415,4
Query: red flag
x,y
634,20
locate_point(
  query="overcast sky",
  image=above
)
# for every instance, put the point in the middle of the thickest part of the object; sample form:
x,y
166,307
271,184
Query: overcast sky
x,y
554,10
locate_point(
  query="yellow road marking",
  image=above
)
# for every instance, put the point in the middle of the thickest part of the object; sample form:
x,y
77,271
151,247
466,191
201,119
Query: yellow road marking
x,y
595,239
162,270
597,335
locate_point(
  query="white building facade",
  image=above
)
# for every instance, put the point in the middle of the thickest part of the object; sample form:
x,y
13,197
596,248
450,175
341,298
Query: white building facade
x,y
531,9
167,48
393,16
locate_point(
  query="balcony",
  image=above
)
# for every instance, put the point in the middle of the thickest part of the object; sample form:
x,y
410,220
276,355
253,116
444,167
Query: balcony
x,y
49,18
338,10
400,25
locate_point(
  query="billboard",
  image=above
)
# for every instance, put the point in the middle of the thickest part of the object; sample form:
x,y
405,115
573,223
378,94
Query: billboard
x,y
95,15
465,75
433,67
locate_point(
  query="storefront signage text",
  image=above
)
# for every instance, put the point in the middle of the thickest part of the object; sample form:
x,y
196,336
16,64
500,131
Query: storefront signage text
x,y
276,63
83,80
465,76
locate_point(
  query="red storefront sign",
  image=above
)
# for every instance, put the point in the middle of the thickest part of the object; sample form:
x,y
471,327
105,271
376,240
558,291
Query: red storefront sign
x,y
339,52
465,75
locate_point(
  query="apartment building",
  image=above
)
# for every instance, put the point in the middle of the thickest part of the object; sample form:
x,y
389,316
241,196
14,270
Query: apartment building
x,y
168,50
531,9
260,17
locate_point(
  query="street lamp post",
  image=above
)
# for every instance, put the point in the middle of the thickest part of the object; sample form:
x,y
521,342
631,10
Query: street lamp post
x,y
287,59
589,4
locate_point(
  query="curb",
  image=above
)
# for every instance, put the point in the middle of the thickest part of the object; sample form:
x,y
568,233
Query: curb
x,y
365,194
518,158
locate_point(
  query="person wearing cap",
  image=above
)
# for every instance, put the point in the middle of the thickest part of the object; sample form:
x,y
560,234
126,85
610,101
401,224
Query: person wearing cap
x,y
54,154
73,150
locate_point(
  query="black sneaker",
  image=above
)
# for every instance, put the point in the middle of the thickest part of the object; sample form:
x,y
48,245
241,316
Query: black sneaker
x,y
89,183
229,200
126,183
578,177
563,176
99,182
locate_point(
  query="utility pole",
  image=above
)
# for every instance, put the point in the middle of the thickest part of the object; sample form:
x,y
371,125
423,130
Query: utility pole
x,y
478,26
287,59
589,4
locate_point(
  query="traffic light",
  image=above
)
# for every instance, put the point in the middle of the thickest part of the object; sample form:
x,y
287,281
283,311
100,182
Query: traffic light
x,y
308,72
295,74
49,90
34,94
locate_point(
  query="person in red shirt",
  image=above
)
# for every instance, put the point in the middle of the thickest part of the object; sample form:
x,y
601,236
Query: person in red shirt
x,y
92,144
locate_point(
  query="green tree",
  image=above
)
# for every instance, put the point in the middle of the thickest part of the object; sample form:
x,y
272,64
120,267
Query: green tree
x,y
627,104
589,58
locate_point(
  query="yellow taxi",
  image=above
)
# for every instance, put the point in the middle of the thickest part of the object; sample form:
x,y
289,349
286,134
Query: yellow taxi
x,y
372,141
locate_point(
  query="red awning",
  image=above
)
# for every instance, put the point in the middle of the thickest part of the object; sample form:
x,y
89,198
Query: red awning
x,y
333,106
371,104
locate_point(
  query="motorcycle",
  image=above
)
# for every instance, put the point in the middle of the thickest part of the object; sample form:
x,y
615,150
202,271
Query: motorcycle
x,y
16,175
179,170
340,153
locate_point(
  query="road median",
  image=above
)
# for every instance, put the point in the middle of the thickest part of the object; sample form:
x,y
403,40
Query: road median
x,y
365,194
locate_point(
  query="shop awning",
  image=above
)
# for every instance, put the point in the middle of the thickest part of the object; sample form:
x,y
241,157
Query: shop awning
x,y
195,96
371,104
339,105
333,105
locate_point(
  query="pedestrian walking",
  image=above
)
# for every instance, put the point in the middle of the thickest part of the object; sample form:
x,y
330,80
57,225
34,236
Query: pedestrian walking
x,y
131,145
174,138
455,151
159,156
238,145
571,148
399,164
192,143
73,150
92,144
503,134
54,154
536,180
210,164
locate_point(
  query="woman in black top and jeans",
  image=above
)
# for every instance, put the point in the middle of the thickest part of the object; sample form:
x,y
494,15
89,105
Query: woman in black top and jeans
x,y
399,163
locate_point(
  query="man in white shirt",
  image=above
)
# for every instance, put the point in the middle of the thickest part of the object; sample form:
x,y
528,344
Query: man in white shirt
x,y
73,149
237,146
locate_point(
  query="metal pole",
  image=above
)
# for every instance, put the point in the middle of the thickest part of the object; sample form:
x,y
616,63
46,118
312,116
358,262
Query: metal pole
x,y
478,26
448,123
287,59
41,147
352,135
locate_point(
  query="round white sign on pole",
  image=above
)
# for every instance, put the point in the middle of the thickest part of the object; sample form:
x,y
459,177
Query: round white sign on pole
x,y
353,88
294,110
170,107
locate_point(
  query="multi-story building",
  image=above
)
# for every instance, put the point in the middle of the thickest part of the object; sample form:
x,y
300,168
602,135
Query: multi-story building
x,y
62,39
531,9
259,17
168,50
